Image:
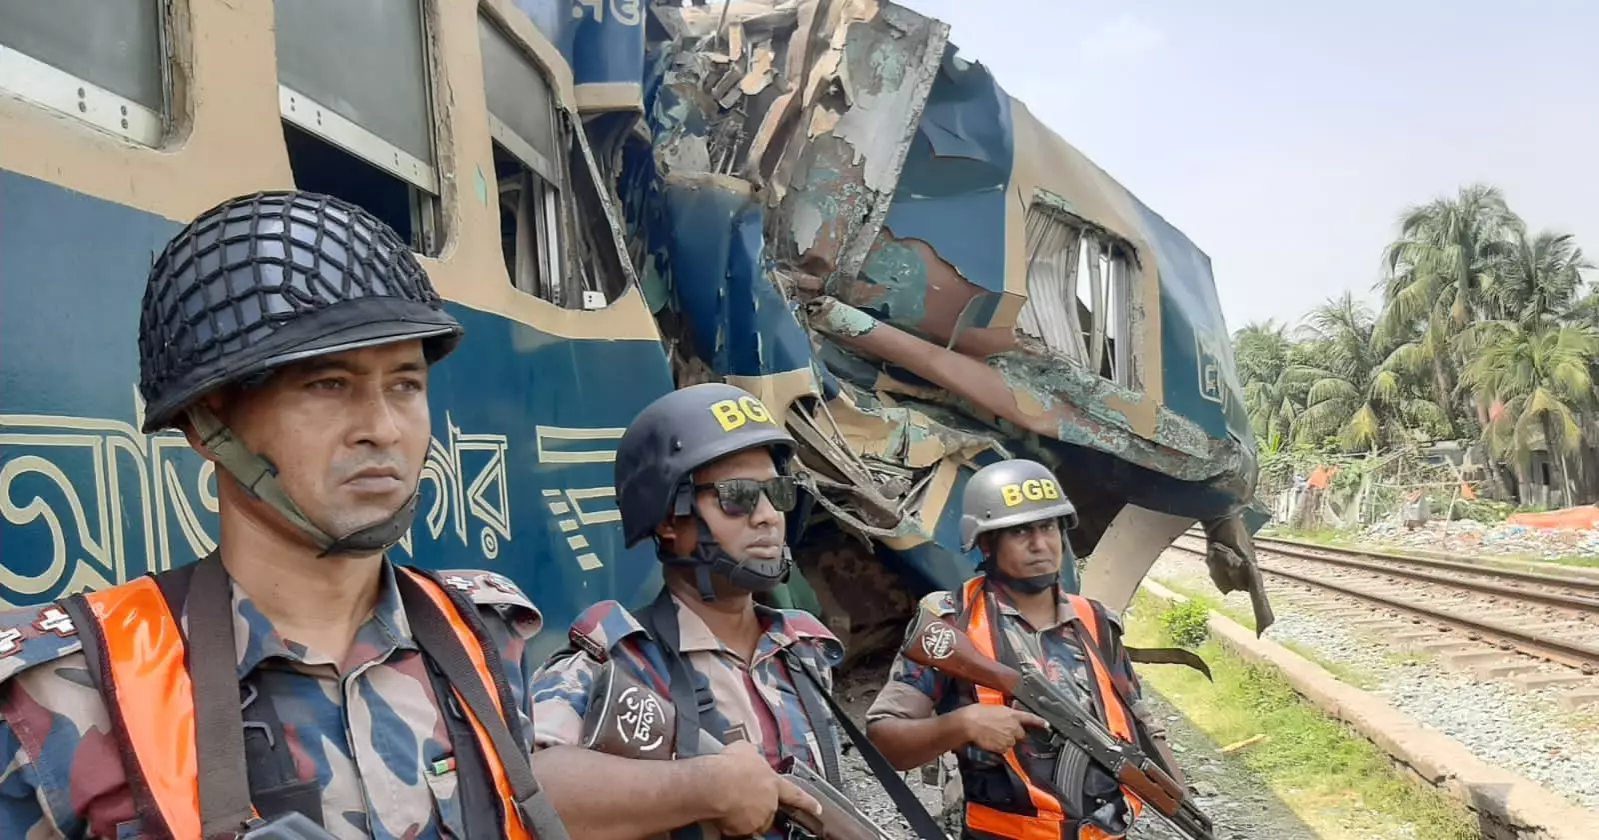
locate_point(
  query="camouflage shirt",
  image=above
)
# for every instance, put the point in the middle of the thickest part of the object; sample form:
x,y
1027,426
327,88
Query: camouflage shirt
x,y
754,701
914,691
367,729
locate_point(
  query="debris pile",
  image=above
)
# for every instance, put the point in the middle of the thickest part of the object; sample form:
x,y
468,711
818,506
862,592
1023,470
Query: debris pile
x,y
1468,536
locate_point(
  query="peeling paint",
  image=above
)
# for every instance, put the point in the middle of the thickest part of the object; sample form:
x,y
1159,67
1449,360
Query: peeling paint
x,y
840,319
881,151
900,277
804,224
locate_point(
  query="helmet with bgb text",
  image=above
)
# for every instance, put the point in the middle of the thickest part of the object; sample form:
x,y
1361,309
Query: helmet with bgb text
x,y
1010,493
677,434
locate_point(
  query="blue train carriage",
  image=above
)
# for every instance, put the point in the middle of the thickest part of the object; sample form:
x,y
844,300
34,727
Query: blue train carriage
x,y
838,213
455,122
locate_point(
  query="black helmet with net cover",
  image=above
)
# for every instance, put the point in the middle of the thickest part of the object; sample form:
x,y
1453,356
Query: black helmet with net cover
x,y
677,434
264,280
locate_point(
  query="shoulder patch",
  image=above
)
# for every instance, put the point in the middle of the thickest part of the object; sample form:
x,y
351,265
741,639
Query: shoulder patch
x,y
600,628
32,636
497,592
805,629
939,603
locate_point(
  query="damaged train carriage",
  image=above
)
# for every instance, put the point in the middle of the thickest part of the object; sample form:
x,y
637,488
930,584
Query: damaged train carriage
x,y
835,211
814,199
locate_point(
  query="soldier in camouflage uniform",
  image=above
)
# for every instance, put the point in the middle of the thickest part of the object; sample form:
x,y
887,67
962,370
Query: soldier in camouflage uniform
x,y
1016,610
289,337
703,473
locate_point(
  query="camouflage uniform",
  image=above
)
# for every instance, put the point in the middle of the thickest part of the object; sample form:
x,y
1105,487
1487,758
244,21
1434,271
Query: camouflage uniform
x,y
914,692
755,701
367,729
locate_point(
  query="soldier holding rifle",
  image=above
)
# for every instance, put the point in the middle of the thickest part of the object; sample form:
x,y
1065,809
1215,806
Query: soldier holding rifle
x,y
703,472
1018,782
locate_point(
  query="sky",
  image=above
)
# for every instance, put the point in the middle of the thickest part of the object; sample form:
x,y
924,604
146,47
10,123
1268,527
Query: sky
x,y
1287,138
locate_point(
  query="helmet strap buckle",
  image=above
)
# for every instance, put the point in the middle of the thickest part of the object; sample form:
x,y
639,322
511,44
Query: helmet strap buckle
x,y
258,476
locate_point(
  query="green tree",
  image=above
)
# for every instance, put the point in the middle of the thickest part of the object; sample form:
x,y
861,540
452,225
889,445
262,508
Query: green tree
x,y
1263,353
1438,271
1539,280
1541,379
1353,392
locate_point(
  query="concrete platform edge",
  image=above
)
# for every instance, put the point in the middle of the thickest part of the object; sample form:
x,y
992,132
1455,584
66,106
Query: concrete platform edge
x,y
1514,805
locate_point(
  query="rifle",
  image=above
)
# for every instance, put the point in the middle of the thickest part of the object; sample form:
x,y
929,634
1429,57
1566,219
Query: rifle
x,y
630,720
937,644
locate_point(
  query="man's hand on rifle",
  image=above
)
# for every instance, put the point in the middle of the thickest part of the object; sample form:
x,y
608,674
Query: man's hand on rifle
x,y
750,792
996,728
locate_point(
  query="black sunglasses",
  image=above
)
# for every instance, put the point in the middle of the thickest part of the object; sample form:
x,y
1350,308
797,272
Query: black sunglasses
x,y
741,496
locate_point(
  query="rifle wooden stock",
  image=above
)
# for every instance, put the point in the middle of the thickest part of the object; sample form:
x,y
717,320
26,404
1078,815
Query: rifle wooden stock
x,y
840,819
629,719
1146,782
935,643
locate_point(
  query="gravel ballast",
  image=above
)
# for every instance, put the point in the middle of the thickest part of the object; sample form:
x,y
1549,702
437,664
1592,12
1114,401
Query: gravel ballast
x,y
1521,730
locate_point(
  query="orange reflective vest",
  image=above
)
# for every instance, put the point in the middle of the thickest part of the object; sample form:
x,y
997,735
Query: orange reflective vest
x,y
142,660
1048,820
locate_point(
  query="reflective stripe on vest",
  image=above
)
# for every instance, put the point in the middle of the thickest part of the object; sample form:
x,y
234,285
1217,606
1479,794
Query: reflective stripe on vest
x,y
144,651
514,830
1047,825
1120,717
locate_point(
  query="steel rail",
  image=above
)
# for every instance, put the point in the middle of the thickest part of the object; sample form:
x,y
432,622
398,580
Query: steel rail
x,y
1296,548
1570,602
1574,654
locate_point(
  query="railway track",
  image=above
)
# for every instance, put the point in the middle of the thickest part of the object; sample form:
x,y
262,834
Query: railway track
x,y
1549,617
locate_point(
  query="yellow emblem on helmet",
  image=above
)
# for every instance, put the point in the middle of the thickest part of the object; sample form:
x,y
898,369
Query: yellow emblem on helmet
x,y
732,414
1031,490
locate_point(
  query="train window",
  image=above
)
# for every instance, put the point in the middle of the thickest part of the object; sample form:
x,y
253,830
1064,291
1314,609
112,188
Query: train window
x,y
1079,292
353,83
104,63
529,165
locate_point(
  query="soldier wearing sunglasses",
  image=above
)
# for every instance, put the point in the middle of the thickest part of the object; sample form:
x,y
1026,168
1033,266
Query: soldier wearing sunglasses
x,y
704,473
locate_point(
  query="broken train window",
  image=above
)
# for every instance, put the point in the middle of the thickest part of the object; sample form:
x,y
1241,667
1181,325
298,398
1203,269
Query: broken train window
x,y
529,167
1079,291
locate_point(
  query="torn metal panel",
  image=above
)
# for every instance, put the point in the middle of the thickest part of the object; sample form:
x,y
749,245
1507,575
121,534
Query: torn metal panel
x,y
833,211
846,164
1034,392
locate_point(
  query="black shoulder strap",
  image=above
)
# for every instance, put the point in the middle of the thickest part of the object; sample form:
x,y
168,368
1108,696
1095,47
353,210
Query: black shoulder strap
x,y
218,721
438,640
893,783
810,696
482,811
659,619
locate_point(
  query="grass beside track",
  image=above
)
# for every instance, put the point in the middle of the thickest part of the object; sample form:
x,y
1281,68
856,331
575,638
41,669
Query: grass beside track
x,y
1334,780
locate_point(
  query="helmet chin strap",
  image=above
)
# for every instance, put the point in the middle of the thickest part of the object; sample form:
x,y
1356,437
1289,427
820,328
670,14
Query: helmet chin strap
x,y
709,556
258,477
1031,585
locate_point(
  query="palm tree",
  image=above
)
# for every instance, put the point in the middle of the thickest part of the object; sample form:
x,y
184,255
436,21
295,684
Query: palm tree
x,y
1539,280
1534,361
1353,390
1542,374
1448,254
1262,352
